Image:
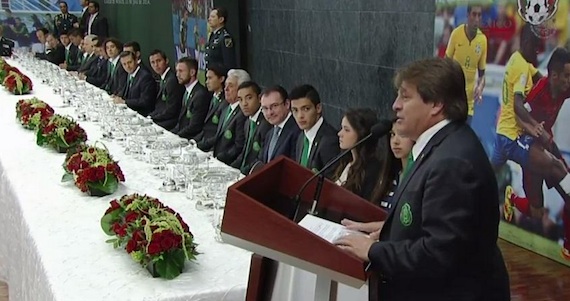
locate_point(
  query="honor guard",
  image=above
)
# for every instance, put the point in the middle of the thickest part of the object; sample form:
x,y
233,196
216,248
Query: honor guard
x,y
220,48
63,22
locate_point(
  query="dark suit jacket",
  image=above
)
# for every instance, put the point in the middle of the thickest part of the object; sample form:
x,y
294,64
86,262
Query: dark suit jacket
x,y
193,114
74,58
84,21
230,137
98,72
325,147
251,151
141,95
99,27
440,240
6,46
285,144
87,63
55,56
115,83
211,123
169,102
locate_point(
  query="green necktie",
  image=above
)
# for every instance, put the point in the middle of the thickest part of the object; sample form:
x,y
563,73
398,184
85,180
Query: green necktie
x,y
186,97
111,69
228,114
409,165
305,154
67,56
130,81
252,126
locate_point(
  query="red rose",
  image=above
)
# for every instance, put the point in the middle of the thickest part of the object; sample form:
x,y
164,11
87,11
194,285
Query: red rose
x,y
167,243
131,217
120,230
114,206
131,246
100,173
153,248
138,236
83,165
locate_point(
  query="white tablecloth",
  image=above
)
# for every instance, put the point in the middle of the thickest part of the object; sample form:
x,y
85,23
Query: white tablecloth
x,y
51,243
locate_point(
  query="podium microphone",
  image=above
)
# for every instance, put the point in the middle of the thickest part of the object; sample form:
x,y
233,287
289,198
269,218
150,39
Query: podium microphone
x,y
378,130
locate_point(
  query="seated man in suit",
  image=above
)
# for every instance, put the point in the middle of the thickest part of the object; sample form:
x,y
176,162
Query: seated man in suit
x,y
71,51
55,52
6,45
170,92
255,128
73,62
99,70
116,75
319,142
135,48
140,89
195,100
282,138
89,57
229,140
215,82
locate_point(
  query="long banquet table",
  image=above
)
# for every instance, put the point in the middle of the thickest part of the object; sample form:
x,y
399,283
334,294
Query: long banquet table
x,y
51,243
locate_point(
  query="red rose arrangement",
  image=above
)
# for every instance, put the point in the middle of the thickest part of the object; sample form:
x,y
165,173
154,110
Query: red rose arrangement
x,y
31,112
93,170
153,234
60,132
17,83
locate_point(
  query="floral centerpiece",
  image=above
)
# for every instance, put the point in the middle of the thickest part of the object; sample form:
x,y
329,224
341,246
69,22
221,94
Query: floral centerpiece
x,y
17,83
93,170
154,235
31,112
60,132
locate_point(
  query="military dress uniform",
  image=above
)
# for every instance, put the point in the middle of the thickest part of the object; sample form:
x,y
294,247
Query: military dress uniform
x,y
64,23
221,49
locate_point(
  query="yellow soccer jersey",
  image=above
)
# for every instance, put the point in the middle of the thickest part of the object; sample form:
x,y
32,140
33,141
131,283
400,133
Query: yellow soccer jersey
x,y
517,79
471,55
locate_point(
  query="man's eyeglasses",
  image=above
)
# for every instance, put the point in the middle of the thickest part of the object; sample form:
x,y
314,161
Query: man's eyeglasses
x,y
272,107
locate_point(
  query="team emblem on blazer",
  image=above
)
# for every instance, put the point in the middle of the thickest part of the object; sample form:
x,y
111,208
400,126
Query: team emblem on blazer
x,y
215,119
188,114
256,146
406,217
228,134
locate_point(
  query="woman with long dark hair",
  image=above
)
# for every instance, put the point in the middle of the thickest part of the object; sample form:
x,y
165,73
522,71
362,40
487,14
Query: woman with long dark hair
x,y
395,158
358,171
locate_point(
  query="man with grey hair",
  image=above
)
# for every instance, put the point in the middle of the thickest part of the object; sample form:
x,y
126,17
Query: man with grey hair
x,y
89,56
229,140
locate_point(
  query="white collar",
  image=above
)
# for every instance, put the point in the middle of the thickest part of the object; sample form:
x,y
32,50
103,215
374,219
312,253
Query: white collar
x,y
84,9
135,73
115,60
94,15
426,136
256,115
68,47
191,86
312,132
234,105
282,124
163,75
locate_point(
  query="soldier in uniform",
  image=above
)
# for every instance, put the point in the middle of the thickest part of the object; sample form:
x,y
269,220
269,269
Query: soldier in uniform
x,y
63,22
220,48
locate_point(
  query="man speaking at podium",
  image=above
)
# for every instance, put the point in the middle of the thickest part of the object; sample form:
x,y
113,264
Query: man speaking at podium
x,y
440,241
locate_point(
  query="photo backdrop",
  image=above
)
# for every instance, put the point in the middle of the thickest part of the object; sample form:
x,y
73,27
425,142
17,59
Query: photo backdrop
x,y
543,229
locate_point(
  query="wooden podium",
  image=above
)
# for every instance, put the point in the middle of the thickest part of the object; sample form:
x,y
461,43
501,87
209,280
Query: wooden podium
x,y
258,217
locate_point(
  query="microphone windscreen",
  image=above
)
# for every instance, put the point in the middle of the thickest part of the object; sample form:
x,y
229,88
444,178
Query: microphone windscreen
x,y
381,128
